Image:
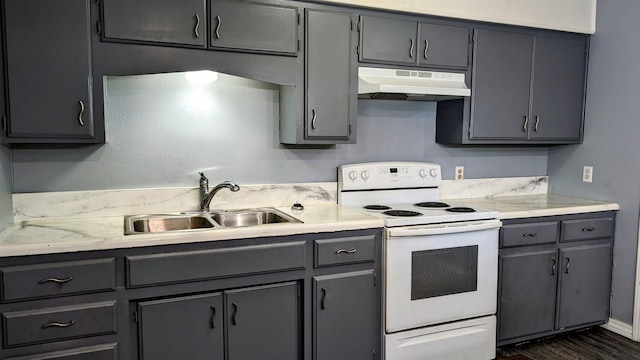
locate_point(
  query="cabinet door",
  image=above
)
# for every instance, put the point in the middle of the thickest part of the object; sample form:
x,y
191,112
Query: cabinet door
x,y
48,68
443,46
160,21
263,323
388,41
558,88
527,293
585,285
501,79
250,26
329,101
187,327
344,313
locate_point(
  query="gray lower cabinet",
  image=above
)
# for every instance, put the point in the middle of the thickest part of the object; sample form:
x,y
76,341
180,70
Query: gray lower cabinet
x,y
330,96
272,298
188,327
239,25
558,278
166,22
263,322
526,88
49,83
344,316
405,42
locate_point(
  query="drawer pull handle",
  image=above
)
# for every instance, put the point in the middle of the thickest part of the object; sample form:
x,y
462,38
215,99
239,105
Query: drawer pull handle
x,y
195,29
345,251
525,123
313,119
219,22
426,48
56,280
535,128
235,312
57,324
324,296
554,266
213,317
589,229
566,268
530,234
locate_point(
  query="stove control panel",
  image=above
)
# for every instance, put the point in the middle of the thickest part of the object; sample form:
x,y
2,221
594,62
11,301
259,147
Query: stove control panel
x,y
388,175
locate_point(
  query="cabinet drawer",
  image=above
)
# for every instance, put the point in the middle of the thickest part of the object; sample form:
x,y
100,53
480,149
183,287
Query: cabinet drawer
x,y
585,229
344,250
529,234
145,270
95,352
58,323
56,279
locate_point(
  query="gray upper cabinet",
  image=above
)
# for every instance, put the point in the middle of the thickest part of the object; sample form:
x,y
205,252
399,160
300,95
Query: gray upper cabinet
x,y
49,82
388,40
527,88
400,42
189,327
443,46
165,21
330,103
237,25
344,316
558,88
501,82
264,322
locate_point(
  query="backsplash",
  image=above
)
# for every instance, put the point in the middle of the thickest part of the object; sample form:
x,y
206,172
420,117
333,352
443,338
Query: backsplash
x,y
144,201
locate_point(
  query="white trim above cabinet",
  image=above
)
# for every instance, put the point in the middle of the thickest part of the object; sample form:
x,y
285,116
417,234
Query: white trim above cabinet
x,y
568,15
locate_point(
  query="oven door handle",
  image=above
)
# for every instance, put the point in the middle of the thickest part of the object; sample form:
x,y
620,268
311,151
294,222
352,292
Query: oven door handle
x,y
449,228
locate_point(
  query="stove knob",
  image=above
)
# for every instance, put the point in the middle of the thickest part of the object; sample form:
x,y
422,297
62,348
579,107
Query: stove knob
x,y
353,175
364,175
423,173
433,172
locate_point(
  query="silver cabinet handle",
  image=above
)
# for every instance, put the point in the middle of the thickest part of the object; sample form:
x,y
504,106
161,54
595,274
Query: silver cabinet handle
x,y
213,317
235,313
195,29
218,23
566,268
313,119
530,234
81,112
426,48
525,123
589,229
535,128
57,324
554,266
411,48
56,280
344,251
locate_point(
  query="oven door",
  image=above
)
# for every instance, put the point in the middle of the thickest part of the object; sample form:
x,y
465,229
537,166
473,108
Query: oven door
x,y
440,273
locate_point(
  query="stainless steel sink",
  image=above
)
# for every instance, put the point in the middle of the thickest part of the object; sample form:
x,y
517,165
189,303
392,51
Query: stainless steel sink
x,y
251,217
158,223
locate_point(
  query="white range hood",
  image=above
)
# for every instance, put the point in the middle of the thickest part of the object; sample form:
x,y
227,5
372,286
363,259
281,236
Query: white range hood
x,y
402,84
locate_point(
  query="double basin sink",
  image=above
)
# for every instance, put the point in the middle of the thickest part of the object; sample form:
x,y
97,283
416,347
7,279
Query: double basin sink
x,y
159,223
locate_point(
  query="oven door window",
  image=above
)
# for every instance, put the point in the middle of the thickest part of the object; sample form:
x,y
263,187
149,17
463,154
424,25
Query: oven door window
x,y
441,272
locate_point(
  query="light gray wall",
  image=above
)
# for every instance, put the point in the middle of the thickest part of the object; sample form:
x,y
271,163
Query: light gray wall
x,y
6,207
611,145
162,130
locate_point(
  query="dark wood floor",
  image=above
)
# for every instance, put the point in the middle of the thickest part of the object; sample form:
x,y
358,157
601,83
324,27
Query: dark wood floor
x,y
591,344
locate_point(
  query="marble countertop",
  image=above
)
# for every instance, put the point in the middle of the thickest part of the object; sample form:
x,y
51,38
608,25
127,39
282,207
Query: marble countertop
x,y
46,236
523,206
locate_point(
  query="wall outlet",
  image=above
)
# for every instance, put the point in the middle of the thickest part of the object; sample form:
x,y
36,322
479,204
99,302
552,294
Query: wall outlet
x,y
459,172
587,174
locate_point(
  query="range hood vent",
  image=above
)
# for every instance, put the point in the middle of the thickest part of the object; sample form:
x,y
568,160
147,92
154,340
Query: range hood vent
x,y
400,84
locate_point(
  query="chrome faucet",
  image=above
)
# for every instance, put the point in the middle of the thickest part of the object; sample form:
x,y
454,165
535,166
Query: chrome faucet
x,y
206,195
